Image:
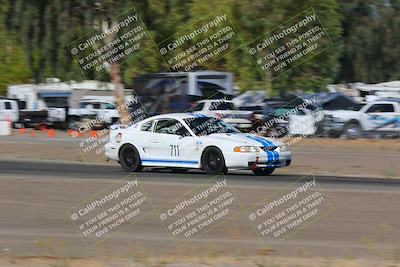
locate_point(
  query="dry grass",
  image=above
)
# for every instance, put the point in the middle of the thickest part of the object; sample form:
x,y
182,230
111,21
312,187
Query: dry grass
x,y
182,261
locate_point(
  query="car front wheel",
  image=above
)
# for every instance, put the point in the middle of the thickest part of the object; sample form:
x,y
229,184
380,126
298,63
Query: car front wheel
x,y
353,131
129,159
263,171
213,161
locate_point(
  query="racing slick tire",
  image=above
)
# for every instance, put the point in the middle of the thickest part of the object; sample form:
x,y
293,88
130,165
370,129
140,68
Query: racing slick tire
x,y
129,159
263,171
213,162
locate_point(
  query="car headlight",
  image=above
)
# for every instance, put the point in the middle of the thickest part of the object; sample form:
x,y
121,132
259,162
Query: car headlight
x,y
247,149
283,148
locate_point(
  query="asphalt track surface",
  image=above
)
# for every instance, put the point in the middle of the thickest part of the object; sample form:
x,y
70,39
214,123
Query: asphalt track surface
x,y
363,218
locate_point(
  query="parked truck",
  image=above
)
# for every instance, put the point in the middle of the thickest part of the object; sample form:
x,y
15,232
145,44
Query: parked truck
x,y
226,111
375,118
9,110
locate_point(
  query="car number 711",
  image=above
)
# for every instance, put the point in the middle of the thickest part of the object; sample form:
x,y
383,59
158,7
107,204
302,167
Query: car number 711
x,y
174,150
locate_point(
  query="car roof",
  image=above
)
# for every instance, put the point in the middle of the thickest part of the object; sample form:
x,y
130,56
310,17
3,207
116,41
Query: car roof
x,y
214,100
95,101
388,100
7,100
175,116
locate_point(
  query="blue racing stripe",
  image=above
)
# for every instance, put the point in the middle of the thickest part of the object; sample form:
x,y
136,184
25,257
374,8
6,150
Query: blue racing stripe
x,y
268,145
273,155
198,115
169,161
264,143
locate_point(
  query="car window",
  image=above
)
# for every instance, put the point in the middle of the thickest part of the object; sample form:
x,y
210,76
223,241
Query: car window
x,y
218,105
208,125
146,126
108,106
198,107
182,131
171,126
7,105
381,108
96,106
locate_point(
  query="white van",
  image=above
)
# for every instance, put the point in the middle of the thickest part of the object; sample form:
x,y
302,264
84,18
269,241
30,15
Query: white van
x,y
9,110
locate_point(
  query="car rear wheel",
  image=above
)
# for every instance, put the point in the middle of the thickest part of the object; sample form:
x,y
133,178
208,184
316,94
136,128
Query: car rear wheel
x,y
213,161
263,171
129,159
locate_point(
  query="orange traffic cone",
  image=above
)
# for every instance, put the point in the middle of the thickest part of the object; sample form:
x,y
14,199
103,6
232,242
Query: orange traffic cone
x,y
75,134
33,134
93,134
21,131
50,133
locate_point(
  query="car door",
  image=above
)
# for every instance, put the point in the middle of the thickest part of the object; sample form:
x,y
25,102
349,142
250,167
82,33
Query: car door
x,y
142,140
381,117
171,144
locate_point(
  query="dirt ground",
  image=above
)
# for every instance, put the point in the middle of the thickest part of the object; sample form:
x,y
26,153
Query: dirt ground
x,y
171,261
337,157
317,156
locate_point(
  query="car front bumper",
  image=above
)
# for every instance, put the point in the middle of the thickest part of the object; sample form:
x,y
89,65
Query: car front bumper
x,y
259,160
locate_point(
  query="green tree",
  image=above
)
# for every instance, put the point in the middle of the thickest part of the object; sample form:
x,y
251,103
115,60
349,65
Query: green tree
x,y
371,36
13,69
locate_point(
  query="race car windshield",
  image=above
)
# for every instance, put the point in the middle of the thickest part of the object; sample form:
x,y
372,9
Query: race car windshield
x,y
206,126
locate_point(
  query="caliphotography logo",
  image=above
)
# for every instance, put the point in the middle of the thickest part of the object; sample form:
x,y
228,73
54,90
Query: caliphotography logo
x,y
200,210
200,44
289,210
289,44
199,133
110,211
115,42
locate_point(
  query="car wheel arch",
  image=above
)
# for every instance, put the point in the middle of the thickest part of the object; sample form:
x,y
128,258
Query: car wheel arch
x,y
205,149
353,121
125,145
356,123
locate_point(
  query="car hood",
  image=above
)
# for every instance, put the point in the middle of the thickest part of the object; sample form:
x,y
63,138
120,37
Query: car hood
x,y
340,113
244,139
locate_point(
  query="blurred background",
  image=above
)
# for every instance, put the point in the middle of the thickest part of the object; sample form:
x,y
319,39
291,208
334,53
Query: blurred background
x,y
349,89
34,36
361,65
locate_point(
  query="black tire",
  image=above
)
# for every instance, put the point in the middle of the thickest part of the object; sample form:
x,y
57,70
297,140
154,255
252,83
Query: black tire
x,y
352,130
263,171
129,159
334,134
213,161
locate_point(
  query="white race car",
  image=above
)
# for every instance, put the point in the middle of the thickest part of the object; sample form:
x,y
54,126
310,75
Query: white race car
x,y
192,141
